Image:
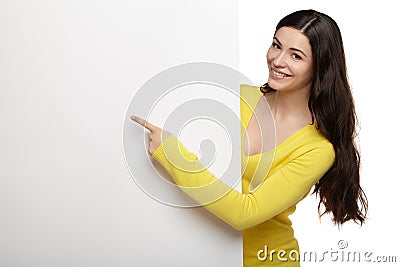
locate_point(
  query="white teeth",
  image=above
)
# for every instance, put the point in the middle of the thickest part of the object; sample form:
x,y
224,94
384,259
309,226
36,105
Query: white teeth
x,y
279,74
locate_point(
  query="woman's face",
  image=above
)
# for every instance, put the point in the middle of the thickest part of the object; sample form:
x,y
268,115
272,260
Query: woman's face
x,y
290,61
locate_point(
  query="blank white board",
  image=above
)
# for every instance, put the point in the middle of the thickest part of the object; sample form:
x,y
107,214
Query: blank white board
x,y
69,71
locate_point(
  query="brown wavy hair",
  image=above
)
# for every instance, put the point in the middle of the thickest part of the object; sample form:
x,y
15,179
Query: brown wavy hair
x,y
332,107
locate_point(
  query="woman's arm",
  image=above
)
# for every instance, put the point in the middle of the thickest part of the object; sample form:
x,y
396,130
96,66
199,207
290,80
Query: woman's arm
x,y
278,192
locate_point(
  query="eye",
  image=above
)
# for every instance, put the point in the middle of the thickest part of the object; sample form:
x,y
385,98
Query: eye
x,y
296,56
276,46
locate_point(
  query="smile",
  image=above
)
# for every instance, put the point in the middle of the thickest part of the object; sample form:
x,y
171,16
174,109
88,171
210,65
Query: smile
x,y
279,74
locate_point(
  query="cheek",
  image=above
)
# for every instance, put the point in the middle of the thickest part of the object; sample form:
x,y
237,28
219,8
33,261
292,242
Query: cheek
x,y
269,56
306,73
307,76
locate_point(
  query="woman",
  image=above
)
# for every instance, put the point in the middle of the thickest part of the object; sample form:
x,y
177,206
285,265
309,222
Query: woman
x,y
311,103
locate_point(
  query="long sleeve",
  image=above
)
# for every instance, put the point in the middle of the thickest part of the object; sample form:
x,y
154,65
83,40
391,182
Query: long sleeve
x,y
279,191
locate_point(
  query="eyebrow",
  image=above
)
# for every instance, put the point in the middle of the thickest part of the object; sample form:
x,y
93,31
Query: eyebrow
x,y
292,48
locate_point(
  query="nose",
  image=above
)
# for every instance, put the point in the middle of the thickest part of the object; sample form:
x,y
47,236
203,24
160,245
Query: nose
x,y
279,60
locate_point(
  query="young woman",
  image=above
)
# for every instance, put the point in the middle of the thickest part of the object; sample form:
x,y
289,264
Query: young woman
x,y
312,107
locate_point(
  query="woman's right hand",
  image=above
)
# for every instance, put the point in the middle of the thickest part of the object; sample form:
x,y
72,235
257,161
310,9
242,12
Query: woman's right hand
x,y
157,135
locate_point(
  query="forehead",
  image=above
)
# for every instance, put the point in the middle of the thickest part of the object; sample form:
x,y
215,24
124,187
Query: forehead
x,y
293,38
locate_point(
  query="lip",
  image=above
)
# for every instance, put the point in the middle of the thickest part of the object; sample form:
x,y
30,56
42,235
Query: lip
x,y
279,74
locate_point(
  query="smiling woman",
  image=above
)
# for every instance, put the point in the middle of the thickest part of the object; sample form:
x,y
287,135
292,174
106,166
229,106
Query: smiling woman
x,y
312,107
290,61
330,104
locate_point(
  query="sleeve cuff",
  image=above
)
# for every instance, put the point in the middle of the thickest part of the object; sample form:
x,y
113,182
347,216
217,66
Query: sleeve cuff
x,y
173,153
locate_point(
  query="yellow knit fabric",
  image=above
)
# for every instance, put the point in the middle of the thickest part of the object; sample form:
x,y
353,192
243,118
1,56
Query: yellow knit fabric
x,y
262,214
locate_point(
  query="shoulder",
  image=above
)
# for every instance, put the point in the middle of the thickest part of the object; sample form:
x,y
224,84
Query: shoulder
x,y
247,89
312,145
249,95
320,148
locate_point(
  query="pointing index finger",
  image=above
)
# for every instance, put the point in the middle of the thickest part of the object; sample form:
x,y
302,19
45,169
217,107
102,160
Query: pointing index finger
x,y
143,122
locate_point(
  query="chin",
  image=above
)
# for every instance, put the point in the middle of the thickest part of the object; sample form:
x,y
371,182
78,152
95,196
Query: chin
x,y
275,85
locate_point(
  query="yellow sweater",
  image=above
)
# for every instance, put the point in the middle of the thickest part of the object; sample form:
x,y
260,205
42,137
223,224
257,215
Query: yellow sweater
x,y
262,214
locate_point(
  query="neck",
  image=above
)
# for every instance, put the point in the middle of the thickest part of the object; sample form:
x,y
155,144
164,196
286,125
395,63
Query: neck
x,y
290,104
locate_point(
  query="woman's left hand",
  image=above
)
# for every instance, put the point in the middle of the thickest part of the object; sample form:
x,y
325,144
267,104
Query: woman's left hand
x,y
157,135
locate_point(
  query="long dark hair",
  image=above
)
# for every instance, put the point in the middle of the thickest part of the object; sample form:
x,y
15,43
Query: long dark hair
x,y
332,107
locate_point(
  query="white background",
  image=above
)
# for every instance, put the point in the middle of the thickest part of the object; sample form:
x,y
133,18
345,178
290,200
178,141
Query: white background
x,y
370,34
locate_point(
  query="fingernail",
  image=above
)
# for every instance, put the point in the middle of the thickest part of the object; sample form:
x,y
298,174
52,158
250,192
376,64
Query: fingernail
x,y
133,117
